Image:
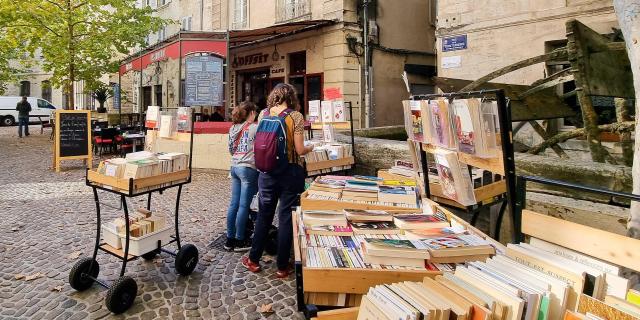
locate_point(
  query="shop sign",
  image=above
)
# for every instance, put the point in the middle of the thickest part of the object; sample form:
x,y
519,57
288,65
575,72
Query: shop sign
x,y
248,60
454,43
158,55
116,96
451,62
277,70
203,81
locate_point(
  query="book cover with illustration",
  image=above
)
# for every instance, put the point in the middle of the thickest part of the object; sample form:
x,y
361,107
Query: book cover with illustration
x,y
445,175
465,132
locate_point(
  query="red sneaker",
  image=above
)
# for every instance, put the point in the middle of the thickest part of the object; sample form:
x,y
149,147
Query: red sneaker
x,y
250,265
282,274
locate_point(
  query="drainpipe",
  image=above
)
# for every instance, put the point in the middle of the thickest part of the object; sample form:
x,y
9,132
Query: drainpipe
x,y
367,83
201,15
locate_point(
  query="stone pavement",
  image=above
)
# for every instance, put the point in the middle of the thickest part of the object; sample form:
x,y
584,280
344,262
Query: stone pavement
x,y
47,219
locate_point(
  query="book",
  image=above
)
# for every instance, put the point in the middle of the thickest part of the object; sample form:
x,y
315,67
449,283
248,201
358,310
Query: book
x,y
330,230
368,215
324,218
454,178
184,123
152,118
166,126
602,309
458,245
420,221
374,228
413,120
326,108
314,111
397,194
633,296
339,114
328,133
395,248
441,124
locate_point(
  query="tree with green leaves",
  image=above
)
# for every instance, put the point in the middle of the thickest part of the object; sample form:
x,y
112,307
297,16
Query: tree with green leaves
x,y
10,53
80,40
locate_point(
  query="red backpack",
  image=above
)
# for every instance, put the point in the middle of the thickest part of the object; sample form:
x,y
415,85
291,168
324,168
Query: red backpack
x,y
270,144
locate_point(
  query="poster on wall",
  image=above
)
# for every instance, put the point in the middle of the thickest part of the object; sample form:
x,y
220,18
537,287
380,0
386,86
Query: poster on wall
x,y
116,96
203,81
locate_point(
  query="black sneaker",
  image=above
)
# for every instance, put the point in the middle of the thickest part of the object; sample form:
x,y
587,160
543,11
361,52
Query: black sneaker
x,y
229,244
242,245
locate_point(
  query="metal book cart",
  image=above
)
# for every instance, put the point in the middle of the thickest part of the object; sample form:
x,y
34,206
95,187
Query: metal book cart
x,y
329,164
122,292
503,191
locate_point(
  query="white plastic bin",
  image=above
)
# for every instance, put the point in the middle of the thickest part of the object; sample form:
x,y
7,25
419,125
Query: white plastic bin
x,y
149,242
111,238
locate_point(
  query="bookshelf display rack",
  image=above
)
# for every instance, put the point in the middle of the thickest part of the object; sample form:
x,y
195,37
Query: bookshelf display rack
x,y
122,292
503,191
346,161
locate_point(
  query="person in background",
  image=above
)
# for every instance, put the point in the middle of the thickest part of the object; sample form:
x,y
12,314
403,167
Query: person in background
x,y
282,189
205,117
217,115
244,176
23,107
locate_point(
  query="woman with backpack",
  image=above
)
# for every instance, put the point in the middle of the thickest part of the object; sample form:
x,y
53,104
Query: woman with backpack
x,y
244,177
278,146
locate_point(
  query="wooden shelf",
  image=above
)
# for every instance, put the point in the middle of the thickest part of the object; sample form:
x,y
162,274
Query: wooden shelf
x,y
122,185
116,252
328,164
338,314
341,125
483,194
357,281
386,175
495,164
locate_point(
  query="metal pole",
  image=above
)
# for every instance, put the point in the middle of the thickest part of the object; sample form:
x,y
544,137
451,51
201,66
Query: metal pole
x,y
140,100
367,87
180,69
506,134
119,97
227,73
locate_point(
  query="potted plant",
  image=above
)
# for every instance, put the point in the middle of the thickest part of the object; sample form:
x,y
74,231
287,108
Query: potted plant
x,y
101,94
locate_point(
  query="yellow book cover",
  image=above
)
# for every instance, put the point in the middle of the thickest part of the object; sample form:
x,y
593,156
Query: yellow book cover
x,y
633,296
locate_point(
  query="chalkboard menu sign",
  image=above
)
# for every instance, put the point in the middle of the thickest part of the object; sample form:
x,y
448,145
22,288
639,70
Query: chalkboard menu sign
x,y
73,136
203,81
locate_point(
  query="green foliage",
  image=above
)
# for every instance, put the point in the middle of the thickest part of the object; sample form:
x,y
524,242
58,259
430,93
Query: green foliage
x,y
79,39
10,52
102,93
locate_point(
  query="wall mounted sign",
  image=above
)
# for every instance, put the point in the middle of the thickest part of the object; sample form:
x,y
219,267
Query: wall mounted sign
x,y
454,43
203,81
451,62
250,59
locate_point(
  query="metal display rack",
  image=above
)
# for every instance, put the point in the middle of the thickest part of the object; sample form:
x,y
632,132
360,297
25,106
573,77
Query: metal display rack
x,y
122,292
505,163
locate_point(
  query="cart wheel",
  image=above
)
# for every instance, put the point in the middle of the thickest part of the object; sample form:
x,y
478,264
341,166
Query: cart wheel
x,y
77,275
186,259
121,295
150,255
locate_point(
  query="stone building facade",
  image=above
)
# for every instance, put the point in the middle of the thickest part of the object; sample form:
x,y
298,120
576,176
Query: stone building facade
x,y
499,33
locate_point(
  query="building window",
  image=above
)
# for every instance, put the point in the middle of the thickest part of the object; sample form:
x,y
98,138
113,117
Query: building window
x,y
150,3
240,12
46,90
186,24
25,88
162,34
163,2
292,10
298,63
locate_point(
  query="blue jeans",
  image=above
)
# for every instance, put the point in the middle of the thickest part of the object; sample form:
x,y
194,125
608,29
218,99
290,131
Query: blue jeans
x,y
23,122
244,185
281,191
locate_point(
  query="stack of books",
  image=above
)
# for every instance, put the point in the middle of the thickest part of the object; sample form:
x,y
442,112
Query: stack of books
x,y
360,190
141,222
144,164
403,168
327,187
398,194
326,152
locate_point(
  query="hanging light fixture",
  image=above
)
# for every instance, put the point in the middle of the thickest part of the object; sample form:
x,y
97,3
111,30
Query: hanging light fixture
x,y
275,56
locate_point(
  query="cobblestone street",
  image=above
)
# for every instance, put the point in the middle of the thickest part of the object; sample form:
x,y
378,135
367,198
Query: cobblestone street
x,y
47,220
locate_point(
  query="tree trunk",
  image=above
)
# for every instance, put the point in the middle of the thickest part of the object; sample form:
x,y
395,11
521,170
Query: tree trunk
x,y
72,69
622,115
628,12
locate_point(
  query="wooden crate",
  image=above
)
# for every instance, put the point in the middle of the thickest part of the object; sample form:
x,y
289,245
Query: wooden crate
x,y
338,314
328,164
386,175
313,204
124,185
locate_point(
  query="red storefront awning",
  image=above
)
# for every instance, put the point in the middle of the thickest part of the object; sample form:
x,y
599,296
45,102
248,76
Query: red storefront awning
x,y
171,49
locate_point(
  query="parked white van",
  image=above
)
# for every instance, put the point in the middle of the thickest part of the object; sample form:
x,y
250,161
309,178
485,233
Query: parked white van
x,y
39,108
